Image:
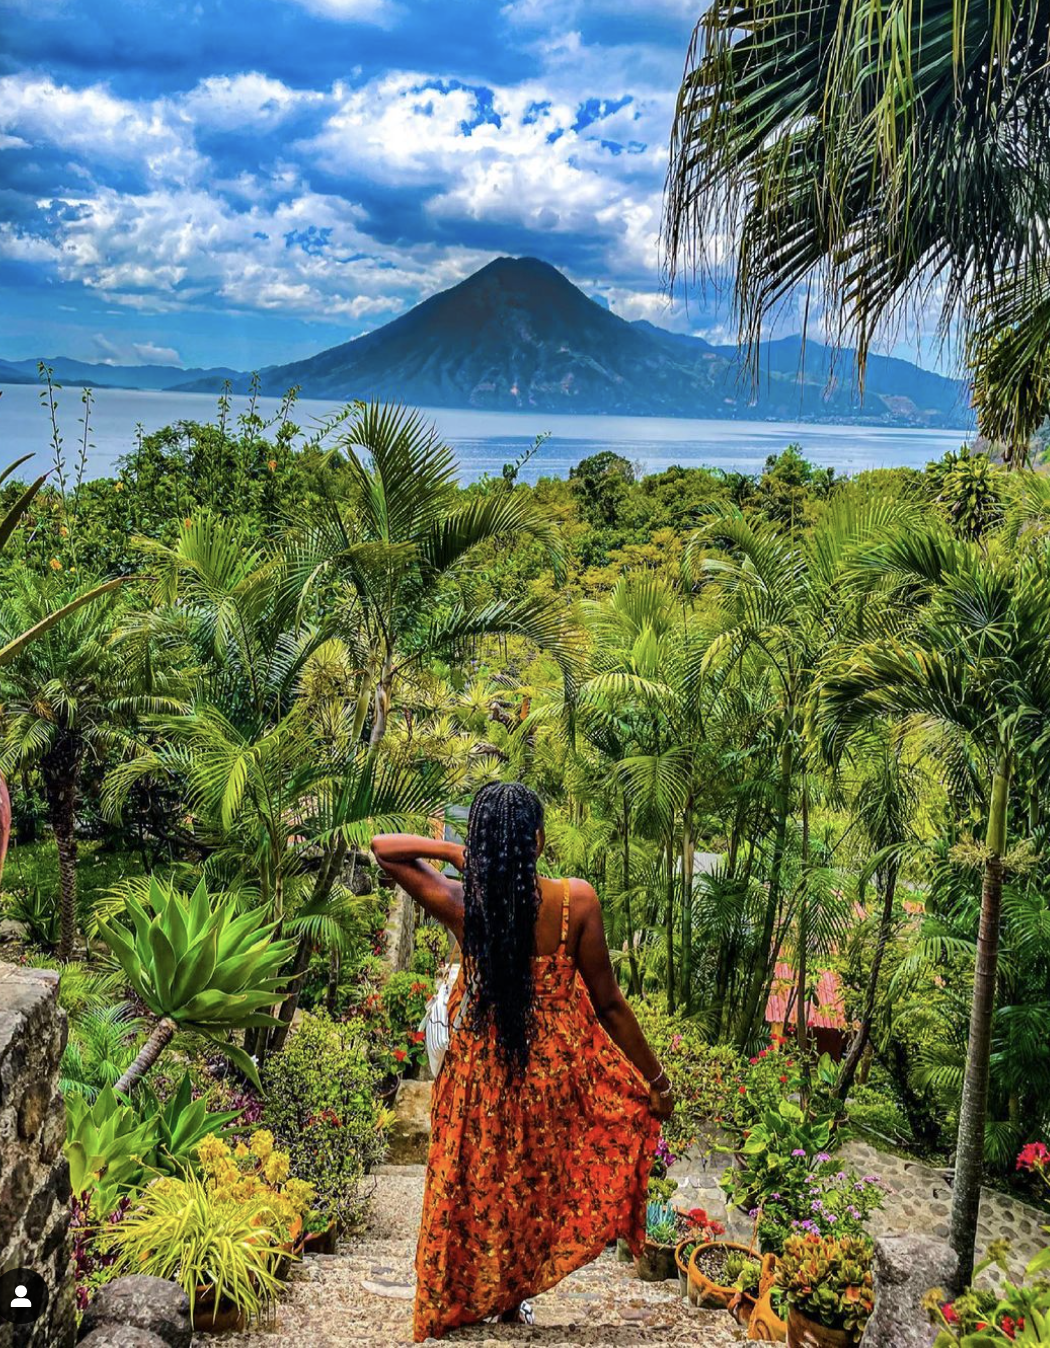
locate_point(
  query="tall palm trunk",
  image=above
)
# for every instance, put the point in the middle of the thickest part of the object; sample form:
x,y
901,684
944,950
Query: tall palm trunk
x,y
384,693
802,957
323,886
688,853
851,1062
760,970
669,928
60,772
635,987
973,1111
147,1054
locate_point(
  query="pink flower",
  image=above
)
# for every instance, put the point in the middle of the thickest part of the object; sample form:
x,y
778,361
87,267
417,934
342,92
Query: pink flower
x,y
1035,1156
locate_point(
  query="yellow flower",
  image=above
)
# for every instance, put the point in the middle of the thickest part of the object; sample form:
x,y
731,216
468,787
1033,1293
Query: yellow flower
x,y
212,1150
271,464
276,1168
262,1143
187,523
118,486
64,531
55,564
240,1149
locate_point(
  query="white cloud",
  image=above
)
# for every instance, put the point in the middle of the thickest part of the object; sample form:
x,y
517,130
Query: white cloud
x,y
137,353
249,101
94,122
380,13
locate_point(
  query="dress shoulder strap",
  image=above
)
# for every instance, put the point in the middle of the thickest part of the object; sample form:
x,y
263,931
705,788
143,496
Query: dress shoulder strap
x,y
564,913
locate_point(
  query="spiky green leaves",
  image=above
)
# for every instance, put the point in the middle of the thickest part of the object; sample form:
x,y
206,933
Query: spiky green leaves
x,y
201,964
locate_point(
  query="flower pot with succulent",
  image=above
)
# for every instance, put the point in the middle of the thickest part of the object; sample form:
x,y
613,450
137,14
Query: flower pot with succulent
x,y
710,1285
746,1274
657,1260
828,1286
701,1230
767,1323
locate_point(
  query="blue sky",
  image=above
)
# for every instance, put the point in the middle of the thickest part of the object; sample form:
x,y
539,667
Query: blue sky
x,y
243,182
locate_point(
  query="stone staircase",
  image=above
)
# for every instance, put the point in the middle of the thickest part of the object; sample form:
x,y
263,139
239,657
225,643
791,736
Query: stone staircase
x,y
363,1296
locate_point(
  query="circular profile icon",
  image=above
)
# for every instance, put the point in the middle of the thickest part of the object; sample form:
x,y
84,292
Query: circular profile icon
x,y
23,1296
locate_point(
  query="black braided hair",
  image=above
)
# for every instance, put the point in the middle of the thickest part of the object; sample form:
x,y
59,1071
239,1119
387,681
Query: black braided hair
x,y
501,898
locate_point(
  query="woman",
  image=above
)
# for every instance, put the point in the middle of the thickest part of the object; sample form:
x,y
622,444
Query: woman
x,y
547,1110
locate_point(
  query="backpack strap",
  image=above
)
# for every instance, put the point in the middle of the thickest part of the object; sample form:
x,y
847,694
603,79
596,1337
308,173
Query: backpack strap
x,y
564,914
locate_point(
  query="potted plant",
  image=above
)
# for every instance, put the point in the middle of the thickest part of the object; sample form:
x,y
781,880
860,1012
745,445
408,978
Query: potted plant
x,y
222,1250
702,1229
828,1286
767,1323
657,1262
745,1271
709,1283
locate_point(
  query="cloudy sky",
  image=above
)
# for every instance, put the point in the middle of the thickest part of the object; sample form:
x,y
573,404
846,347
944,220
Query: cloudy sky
x,y
242,182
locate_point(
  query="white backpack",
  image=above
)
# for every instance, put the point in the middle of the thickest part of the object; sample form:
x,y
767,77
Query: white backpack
x,y
434,1024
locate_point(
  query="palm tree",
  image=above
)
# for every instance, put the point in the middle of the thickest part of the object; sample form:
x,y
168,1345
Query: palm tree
x,y
65,694
974,677
782,608
388,564
267,745
877,157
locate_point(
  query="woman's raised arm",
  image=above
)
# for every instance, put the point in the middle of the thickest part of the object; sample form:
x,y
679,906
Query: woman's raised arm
x,y
405,857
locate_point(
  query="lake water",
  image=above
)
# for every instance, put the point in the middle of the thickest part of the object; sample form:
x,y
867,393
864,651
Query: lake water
x,y
484,441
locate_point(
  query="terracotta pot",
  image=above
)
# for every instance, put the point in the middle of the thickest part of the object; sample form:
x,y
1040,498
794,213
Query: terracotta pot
x,y
765,1325
802,1332
656,1263
704,1291
320,1242
741,1308
682,1265
209,1318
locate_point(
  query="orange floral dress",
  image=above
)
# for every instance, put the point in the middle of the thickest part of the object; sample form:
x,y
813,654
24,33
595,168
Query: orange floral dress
x,y
529,1180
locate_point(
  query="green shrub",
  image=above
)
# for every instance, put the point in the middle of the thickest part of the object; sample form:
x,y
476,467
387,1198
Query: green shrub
x,y
703,1075
405,999
322,1109
875,1111
431,952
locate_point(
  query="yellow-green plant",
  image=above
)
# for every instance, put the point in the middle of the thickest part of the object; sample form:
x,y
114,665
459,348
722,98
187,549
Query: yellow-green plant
x,y
105,1145
185,1230
198,965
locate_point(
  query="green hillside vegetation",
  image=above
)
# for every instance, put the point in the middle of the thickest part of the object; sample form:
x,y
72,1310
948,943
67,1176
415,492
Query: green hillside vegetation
x,y
836,690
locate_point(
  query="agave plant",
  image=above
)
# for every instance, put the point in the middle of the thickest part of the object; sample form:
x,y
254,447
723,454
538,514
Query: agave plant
x,y
197,965
180,1126
106,1143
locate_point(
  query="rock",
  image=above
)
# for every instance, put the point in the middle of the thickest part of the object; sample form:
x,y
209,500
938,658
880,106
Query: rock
x,y
34,1174
906,1268
121,1336
13,930
152,1304
409,1138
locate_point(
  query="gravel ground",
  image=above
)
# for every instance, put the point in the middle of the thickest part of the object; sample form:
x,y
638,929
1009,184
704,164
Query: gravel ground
x,y
363,1296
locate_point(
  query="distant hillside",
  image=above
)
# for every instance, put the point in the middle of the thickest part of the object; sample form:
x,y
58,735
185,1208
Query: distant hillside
x,y
518,335
81,373
9,374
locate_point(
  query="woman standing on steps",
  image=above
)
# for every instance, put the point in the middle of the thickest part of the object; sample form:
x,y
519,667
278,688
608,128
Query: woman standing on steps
x,y
546,1112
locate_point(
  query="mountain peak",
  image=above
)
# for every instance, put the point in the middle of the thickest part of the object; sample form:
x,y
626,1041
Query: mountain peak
x,y
518,335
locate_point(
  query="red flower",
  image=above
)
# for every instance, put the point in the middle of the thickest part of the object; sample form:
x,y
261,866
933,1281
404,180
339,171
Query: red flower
x,y
1034,1156
400,1055
783,1081
1009,1326
950,1313
741,1090
416,1036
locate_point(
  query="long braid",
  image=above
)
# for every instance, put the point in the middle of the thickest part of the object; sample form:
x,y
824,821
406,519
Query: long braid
x,y
501,900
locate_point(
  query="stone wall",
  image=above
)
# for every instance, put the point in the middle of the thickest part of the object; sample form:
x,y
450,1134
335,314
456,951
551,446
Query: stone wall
x,y
34,1175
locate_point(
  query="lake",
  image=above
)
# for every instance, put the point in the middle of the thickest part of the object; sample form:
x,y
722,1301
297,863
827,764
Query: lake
x,y
484,441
